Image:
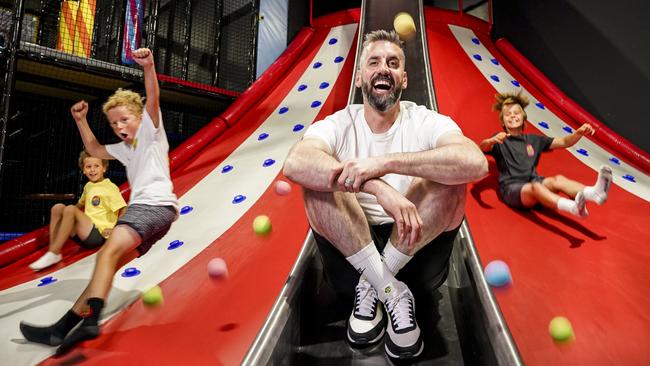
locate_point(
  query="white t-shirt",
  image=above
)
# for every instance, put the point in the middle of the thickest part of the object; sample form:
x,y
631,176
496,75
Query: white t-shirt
x,y
147,164
348,136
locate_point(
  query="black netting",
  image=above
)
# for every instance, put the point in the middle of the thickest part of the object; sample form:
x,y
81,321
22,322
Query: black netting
x,y
236,65
41,154
73,49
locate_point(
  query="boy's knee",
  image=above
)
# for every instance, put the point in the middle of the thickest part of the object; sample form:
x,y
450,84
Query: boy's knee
x,y
69,210
560,178
57,208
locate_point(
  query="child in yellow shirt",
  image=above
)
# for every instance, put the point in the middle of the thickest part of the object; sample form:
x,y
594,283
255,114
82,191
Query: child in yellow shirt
x,y
91,220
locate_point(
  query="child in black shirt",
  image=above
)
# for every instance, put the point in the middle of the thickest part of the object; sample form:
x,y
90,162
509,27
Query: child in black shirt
x,y
517,155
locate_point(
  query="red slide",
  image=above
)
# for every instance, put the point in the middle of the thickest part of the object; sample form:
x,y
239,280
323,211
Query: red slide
x,y
594,272
203,321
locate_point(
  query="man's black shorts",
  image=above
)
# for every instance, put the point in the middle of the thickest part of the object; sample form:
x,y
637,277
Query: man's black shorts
x,y
427,270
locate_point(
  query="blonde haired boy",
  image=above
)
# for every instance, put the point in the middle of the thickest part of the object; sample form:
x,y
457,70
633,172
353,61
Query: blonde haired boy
x,y
152,206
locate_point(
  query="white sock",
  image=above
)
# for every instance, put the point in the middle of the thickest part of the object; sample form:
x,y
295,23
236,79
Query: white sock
x,y
394,259
45,261
598,193
567,205
368,263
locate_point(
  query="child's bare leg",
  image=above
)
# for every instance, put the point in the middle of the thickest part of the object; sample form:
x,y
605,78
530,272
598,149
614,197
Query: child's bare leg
x,y
123,240
62,219
560,183
531,193
72,220
56,212
118,249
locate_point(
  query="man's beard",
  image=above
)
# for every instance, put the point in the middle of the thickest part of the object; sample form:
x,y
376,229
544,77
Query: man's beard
x,y
385,101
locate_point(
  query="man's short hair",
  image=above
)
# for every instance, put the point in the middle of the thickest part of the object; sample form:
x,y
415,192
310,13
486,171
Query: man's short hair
x,y
381,35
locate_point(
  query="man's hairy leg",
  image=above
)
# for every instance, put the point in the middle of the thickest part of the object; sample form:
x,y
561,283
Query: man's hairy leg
x,y
441,207
338,217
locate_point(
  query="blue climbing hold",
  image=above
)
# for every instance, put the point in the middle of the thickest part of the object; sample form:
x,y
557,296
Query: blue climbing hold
x,y
268,162
540,105
262,136
131,272
298,127
495,78
332,41
226,169
543,124
186,210
283,110
476,41
477,57
567,129
338,59
515,83
494,61
615,160
46,281
317,64
629,178
315,104
302,87
324,85
583,152
238,198
174,244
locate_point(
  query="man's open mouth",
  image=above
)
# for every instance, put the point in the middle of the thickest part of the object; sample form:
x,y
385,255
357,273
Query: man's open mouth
x,y
382,83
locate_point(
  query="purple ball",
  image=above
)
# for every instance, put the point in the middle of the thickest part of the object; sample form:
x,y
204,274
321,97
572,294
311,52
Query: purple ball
x,y
497,273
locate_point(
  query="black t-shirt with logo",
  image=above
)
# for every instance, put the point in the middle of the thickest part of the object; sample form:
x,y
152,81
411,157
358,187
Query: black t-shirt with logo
x,y
518,156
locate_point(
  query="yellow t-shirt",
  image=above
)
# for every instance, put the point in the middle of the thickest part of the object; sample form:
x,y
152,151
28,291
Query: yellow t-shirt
x,y
102,201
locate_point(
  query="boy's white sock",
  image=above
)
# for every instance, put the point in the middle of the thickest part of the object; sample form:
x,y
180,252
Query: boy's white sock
x,y
394,259
598,193
368,263
575,207
45,261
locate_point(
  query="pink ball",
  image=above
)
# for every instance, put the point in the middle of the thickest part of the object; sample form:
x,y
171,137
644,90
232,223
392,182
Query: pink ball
x,y
217,268
282,188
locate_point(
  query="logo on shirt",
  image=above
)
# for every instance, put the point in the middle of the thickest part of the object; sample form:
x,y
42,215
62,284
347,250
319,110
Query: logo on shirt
x,y
530,150
96,201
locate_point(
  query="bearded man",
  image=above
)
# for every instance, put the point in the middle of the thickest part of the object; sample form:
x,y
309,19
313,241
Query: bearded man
x,y
387,176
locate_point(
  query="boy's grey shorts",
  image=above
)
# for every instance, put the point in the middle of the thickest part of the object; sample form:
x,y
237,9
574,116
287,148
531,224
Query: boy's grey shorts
x,y
511,193
150,222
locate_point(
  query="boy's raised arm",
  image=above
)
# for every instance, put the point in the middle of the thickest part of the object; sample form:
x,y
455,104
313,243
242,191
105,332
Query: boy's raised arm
x,y
572,139
144,58
97,150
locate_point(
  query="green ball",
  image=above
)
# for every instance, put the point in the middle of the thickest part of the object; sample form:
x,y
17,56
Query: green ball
x,y
560,329
262,225
153,296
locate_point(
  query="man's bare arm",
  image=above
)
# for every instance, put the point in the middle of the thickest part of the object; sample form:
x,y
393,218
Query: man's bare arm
x,y
310,165
456,160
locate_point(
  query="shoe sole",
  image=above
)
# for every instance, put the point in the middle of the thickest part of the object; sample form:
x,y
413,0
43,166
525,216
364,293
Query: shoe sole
x,y
404,356
366,343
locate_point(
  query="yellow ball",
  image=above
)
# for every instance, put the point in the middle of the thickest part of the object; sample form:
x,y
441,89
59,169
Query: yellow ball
x,y
560,329
262,225
404,26
153,296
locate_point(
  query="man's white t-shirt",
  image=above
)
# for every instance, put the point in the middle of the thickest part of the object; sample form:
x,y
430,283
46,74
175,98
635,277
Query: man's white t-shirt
x,y
348,136
147,164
